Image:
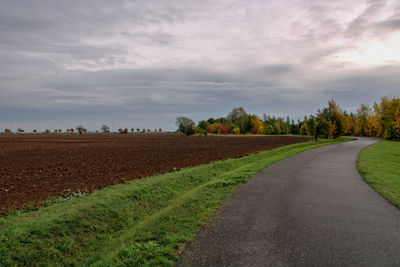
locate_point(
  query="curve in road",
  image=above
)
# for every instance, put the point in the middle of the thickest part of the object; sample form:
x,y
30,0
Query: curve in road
x,y
310,209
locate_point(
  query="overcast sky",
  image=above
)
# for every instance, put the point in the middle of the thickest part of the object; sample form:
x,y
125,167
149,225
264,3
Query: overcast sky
x,y
143,63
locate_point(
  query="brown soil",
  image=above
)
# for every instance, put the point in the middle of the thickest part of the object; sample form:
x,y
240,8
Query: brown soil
x,y
34,168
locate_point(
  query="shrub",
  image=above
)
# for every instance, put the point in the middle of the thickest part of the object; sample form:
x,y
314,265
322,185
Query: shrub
x,y
236,130
200,131
217,128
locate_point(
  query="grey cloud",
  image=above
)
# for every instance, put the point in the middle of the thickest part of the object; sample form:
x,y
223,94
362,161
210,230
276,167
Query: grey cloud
x,y
80,61
392,23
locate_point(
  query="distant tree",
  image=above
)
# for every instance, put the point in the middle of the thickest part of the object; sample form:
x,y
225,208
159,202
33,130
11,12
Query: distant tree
x,y
47,131
80,129
72,130
155,130
388,111
373,126
55,131
335,118
132,130
185,125
203,124
348,123
311,126
294,128
105,129
361,120
211,120
277,128
137,130
257,125
34,131
322,127
239,117
160,130
269,129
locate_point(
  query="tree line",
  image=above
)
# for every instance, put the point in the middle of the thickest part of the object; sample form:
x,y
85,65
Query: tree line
x,y
105,129
380,120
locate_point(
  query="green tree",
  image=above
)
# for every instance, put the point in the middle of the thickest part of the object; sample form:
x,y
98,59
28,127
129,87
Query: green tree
x,y
361,120
105,129
239,117
185,125
203,124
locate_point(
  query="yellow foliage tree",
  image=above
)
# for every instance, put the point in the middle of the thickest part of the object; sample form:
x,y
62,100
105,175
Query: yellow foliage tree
x,y
348,125
332,129
373,126
388,111
258,126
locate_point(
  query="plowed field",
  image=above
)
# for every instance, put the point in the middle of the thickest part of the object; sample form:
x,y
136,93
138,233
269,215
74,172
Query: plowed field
x,y
34,168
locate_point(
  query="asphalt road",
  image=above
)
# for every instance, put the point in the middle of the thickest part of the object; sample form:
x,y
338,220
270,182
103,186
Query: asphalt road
x,y
312,209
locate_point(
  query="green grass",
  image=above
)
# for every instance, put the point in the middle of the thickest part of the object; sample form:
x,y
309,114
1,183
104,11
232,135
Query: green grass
x,y
379,164
139,223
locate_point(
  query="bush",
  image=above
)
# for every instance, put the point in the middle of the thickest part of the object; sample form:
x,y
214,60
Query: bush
x,y
200,131
217,128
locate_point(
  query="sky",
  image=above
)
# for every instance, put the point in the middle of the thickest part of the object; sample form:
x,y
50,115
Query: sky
x,y
143,63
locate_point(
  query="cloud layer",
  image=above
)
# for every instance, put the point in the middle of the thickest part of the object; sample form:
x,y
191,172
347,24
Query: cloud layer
x,y
143,63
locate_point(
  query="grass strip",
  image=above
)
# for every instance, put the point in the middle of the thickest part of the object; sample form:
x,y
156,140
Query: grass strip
x,y
139,223
379,164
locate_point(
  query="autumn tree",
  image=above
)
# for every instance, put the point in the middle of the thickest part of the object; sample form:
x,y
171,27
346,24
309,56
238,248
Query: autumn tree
x,y
335,118
362,115
388,111
373,126
257,125
348,124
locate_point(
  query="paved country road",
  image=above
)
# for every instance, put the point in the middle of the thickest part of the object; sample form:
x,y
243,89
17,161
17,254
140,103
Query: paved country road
x,y
312,209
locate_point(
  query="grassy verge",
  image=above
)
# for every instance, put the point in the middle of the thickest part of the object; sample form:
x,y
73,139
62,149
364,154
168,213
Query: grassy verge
x,y
139,223
379,165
